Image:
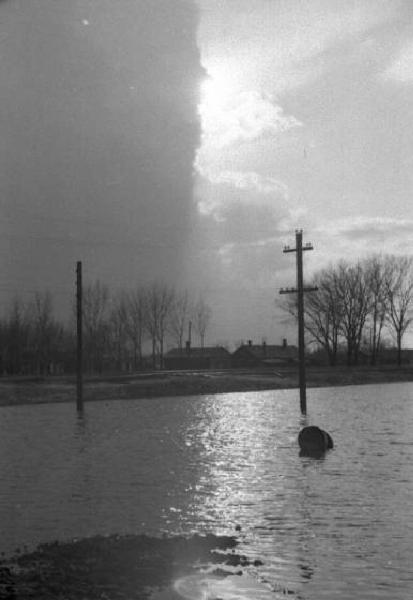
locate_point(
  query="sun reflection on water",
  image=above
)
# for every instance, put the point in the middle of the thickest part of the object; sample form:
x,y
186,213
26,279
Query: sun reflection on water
x,y
227,464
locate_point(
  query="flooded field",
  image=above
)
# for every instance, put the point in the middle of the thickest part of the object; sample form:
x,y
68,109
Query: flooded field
x,y
338,527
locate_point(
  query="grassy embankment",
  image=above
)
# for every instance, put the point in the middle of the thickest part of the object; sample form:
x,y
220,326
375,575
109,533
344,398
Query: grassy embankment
x,y
33,390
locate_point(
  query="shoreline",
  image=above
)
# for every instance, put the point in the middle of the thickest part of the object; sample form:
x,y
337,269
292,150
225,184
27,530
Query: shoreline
x,y
15,391
128,566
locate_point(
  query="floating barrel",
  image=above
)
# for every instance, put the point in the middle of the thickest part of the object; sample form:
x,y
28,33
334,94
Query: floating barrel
x,y
329,439
313,440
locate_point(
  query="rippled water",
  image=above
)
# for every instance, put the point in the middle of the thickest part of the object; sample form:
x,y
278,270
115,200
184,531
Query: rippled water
x,y
338,527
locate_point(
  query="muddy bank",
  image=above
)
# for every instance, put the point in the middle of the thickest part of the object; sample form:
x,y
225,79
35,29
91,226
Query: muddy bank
x,y
39,390
116,567
26,390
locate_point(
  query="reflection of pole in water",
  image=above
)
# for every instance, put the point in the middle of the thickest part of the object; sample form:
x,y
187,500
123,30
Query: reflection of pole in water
x,y
307,571
299,290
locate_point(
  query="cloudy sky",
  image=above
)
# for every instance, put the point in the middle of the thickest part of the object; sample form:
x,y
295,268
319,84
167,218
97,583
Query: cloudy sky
x,y
187,140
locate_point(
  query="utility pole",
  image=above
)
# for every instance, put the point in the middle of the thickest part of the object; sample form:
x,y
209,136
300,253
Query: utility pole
x,y
299,290
79,354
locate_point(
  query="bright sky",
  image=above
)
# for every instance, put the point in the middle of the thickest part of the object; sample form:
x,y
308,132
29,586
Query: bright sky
x,y
307,122
187,140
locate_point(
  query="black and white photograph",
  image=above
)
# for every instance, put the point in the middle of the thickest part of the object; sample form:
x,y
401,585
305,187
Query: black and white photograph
x,y
206,299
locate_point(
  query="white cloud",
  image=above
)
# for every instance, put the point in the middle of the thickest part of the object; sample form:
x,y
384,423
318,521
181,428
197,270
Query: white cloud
x,y
221,192
280,72
253,52
401,69
366,226
232,122
246,180
354,238
289,223
229,116
289,37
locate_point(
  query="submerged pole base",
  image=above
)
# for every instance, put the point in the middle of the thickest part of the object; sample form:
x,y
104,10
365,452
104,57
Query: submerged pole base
x,y
313,441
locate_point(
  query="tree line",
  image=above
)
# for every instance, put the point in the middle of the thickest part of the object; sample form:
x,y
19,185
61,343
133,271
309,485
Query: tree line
x,y
357,304
117,329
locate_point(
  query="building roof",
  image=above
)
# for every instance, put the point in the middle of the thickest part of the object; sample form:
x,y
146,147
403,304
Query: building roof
x,y
268,351
206,352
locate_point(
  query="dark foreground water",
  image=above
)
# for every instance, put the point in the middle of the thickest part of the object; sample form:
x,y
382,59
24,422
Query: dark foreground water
x,y
340,527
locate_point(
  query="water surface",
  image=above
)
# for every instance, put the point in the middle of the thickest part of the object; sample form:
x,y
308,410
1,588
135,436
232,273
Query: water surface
x,y
339,527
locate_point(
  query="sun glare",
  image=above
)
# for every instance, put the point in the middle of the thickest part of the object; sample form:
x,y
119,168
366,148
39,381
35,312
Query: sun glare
x,y
219,99
218,92
215,93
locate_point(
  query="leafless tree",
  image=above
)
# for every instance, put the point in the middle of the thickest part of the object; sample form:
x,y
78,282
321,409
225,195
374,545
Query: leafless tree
x,y
46,333
202,314
16,330
158,304
375,268
3,345
135,323
355,299
117,330
95,323
179,317
323,312
399,291
338,310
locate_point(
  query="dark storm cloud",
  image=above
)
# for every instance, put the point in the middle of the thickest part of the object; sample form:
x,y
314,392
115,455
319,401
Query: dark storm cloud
x,y
99,130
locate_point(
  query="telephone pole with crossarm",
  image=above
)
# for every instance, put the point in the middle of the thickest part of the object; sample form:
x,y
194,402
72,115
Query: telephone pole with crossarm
x,y
299,290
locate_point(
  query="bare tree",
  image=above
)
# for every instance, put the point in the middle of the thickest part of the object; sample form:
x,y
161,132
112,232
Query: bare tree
x,y
179,317
355,299
46,333
95,322
399,291
324,312
338,309
3,345
16,331
201,318
117,330
158,303
375,268
135,323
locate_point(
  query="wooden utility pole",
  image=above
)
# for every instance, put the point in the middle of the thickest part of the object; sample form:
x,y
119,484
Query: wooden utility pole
x,y
79,354
299,290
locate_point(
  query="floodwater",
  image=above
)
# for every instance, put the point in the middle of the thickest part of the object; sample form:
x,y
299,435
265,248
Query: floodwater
x,y
339,527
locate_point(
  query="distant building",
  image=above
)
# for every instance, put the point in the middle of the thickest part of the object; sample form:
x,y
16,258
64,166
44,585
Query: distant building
x,y
390,356
215,357
264,355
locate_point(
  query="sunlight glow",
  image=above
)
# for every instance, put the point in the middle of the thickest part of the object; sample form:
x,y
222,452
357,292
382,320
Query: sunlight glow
x,y
233,112
219,96
216,93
